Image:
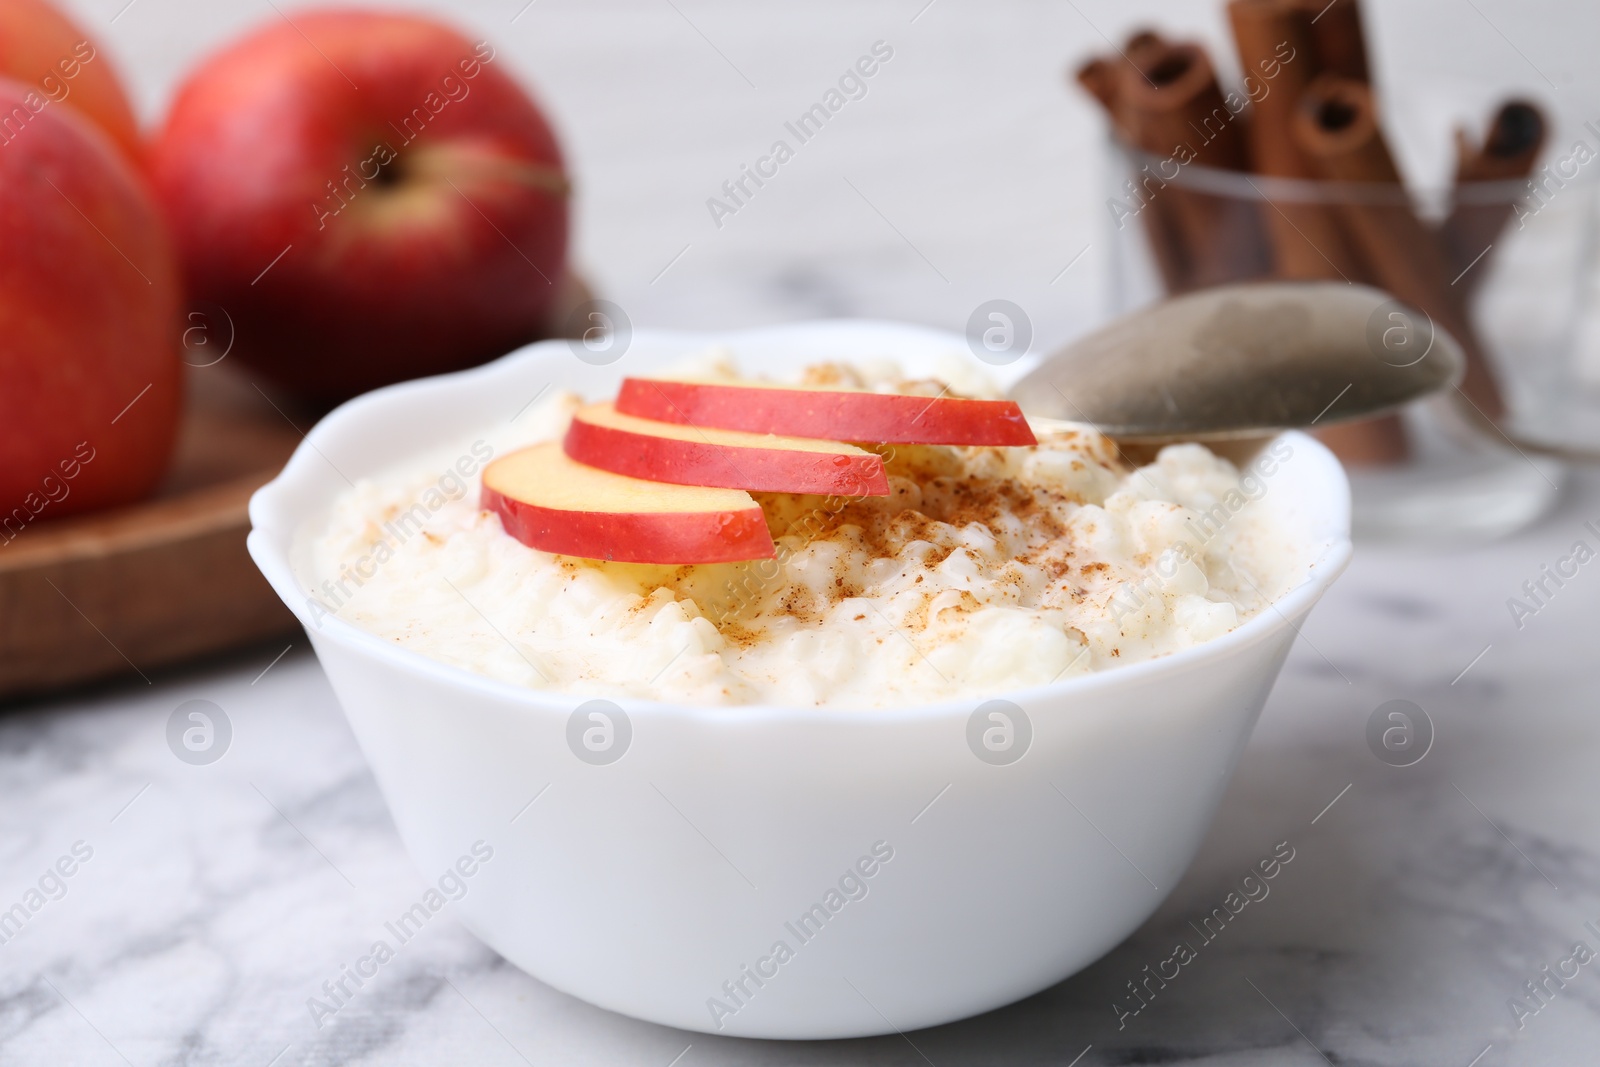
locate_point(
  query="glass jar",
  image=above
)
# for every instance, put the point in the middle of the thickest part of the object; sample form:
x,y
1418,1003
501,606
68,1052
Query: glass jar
x,y
1523,258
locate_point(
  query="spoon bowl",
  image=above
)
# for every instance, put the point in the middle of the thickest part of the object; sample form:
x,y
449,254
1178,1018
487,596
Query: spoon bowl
x,y
1244,361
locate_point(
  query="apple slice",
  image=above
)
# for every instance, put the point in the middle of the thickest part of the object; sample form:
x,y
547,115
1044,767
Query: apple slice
x,y
687,455
833,414
553,503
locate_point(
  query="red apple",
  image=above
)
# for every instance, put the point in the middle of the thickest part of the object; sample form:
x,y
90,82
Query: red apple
x,y
44,49
687,455
90,378
835,414
553,503
370,197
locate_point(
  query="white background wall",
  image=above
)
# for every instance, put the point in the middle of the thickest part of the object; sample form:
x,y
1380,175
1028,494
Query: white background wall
x,y
970,141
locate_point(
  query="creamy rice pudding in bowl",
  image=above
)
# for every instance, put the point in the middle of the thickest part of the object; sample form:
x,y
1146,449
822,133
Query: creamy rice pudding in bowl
x,y
858,772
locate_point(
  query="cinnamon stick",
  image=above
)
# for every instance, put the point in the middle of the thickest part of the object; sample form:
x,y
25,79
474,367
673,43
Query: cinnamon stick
x,y
1338,38
1170,105
1309,239
1140,39
1275,43
1273,38
1098,75
1509,150
1337,128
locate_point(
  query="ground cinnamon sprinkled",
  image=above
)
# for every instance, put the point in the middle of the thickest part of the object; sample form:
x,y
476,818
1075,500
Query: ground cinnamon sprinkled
x,y
997,567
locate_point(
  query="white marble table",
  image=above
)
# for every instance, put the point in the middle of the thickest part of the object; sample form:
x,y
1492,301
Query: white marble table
x,y
218,898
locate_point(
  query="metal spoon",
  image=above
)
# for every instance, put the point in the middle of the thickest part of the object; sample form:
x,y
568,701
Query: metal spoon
x,y
1245,361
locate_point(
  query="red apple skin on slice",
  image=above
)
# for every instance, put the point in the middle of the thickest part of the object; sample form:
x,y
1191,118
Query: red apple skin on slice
x,y
556,504
883,418
602,437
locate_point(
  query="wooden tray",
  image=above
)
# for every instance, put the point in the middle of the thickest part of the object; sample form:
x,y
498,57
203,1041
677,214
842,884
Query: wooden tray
x,y
125,592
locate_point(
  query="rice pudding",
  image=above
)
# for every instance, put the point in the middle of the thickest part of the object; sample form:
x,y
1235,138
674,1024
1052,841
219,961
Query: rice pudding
x,y
985,569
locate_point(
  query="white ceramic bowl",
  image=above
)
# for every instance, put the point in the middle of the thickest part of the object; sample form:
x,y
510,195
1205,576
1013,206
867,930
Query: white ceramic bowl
x,y
646,885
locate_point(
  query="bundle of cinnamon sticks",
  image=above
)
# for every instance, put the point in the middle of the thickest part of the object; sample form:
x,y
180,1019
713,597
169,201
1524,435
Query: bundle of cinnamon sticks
x,y
1305,111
